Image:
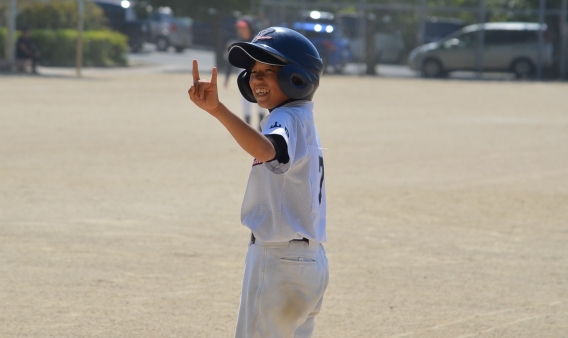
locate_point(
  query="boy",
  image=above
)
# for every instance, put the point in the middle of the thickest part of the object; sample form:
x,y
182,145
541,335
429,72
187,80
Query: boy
x,y
286,271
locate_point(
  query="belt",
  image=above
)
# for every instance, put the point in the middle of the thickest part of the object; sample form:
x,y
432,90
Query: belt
x,y
253,239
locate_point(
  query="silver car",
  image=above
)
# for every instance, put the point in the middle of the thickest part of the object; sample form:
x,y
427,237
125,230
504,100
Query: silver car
x,y
167,30
509,47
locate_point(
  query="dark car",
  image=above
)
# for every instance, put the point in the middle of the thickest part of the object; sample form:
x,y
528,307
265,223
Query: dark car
x,y
122,18
328,39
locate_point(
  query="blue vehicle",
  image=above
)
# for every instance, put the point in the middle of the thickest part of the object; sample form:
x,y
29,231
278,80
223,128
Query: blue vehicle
x,y
332,46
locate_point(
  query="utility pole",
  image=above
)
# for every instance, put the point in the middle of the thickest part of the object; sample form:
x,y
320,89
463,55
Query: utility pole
x,y
563,39
422,20
363,26
422,28
481,38
80,28
10,41
370,46
541,9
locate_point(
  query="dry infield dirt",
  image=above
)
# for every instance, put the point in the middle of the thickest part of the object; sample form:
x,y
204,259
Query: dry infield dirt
x,y
119,208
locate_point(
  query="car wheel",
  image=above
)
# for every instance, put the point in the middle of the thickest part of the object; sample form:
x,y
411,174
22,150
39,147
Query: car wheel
x,y
162,44
523,68
432,69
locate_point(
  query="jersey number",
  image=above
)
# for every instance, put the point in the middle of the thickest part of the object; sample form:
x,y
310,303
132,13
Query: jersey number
x,y
322,175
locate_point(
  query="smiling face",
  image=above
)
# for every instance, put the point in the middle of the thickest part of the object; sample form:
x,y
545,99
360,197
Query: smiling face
x,y
264,85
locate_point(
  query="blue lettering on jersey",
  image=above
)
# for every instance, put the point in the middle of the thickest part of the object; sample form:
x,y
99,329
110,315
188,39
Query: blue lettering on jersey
x,y
287,133
276,125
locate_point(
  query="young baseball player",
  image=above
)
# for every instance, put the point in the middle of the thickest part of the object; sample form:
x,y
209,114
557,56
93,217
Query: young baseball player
x,y
286,272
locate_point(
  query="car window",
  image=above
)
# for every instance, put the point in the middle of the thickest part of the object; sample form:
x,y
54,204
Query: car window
x,y
166,17
130,14
113,12
466,40
499,37
523,36
496,37
434,31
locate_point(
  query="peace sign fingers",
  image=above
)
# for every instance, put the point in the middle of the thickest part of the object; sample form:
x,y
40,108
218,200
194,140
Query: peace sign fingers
x,y
204,93
205,88
195,72
214,76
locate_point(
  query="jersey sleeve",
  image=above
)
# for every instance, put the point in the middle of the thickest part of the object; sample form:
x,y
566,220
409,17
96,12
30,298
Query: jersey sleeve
x,y
282,124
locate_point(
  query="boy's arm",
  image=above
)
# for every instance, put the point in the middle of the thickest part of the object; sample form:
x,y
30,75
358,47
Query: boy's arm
x,y
205,95
253,142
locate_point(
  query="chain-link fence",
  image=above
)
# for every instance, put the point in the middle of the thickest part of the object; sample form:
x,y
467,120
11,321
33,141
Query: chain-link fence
x,y
371,33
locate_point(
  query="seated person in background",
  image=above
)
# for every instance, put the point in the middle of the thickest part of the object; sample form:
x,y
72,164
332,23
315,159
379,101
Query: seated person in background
x,y
25,49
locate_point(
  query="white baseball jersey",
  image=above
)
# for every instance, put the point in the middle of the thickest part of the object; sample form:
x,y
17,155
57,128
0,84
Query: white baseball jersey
x,y
287,201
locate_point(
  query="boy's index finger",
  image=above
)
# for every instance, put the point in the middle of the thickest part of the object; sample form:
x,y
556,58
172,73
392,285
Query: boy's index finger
x,y
214,76
195,71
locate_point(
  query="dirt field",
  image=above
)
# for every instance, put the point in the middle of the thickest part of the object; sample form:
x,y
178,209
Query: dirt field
x,y
447,215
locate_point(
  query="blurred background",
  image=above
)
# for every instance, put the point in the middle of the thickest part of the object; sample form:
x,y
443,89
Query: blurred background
x,y
429,38
119,199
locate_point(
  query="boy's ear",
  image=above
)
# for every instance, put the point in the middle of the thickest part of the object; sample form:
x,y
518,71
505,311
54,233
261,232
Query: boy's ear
x,y
297,81
244,86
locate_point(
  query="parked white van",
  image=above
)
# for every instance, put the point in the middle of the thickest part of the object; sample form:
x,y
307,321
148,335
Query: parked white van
x,y
509,47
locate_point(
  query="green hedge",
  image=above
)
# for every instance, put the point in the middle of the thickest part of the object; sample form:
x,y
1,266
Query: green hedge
x,y
58,47
55,14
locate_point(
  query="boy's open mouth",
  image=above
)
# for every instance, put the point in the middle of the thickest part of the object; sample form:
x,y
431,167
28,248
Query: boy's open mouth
x,y
262,91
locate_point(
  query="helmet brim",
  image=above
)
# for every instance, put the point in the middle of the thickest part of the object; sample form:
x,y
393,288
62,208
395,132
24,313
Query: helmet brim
x,y
245,54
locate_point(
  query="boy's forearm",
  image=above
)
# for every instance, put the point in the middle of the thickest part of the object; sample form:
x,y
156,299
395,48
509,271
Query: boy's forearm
x,y
252,141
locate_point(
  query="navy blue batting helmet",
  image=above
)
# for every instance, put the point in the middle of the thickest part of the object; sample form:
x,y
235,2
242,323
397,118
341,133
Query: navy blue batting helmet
x,y
301,64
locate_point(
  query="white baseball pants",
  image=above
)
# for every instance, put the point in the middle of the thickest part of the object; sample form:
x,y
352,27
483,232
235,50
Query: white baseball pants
x,y
283,290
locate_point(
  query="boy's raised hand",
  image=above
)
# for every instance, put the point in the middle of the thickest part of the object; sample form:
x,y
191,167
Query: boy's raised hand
x,y
204,93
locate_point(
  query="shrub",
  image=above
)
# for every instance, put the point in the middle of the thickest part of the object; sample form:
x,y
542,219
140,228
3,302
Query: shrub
x,y
59,47
60,15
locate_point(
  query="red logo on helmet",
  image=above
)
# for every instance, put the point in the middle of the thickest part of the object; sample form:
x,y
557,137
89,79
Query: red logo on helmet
x,y
263,35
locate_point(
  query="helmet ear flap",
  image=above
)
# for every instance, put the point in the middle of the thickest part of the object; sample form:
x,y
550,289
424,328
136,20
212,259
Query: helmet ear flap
x,y
243,81
295,82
